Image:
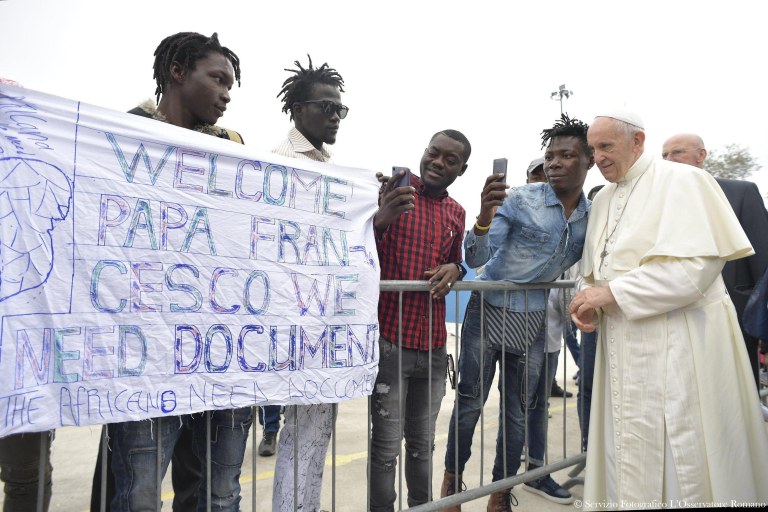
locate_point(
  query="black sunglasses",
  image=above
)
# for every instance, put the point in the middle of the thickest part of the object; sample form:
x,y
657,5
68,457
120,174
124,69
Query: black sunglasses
x,y
329,108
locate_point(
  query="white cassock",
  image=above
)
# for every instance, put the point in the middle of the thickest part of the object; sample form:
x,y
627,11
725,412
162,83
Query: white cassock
x,y
675,414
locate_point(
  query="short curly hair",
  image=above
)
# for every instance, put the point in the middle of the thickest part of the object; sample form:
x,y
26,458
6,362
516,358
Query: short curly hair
x,y
458,137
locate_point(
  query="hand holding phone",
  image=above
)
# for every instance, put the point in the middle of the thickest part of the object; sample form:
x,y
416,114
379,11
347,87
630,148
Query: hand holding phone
x,y
402,181
500,167
395,199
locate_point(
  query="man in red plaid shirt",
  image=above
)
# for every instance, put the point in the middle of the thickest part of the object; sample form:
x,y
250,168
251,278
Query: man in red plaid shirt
x,y
419,231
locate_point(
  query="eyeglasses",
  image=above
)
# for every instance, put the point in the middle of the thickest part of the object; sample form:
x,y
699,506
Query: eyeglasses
x,y
329,108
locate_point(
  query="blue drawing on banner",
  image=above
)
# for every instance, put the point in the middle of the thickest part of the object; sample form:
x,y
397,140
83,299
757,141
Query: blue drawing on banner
x,y
367,256
34,197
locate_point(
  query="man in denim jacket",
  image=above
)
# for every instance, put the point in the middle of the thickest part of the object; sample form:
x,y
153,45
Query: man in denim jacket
x,y
530,234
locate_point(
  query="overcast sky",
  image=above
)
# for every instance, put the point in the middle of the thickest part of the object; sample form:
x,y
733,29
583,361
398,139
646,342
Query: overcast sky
x,y
415,67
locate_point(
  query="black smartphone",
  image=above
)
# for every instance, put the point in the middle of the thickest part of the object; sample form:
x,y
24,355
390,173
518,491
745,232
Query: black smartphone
x,y
403,181
500,167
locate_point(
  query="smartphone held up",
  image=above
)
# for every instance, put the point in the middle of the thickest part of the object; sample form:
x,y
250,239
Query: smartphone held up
x,y
401,181
500,167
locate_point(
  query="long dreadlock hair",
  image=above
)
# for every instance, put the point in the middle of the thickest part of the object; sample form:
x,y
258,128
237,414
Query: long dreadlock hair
x,y
567,127
186,48
297,88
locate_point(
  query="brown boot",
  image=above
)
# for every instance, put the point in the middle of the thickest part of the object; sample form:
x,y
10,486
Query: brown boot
x,y
501,501
449,489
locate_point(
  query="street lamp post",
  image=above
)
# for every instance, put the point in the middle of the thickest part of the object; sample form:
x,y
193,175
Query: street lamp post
x,y
561,93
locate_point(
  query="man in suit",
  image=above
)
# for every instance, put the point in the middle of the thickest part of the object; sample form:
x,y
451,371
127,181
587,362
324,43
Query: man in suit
x,y
741,275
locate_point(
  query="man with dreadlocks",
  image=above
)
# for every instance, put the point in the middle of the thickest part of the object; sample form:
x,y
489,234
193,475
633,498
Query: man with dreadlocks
x,y
194,74
312,98
529,234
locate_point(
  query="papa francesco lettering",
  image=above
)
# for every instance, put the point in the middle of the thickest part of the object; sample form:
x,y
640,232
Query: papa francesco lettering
x,y
169,226
186,288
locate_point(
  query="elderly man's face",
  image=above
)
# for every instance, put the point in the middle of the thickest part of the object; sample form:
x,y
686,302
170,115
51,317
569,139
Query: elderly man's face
x,y
684,151
615,150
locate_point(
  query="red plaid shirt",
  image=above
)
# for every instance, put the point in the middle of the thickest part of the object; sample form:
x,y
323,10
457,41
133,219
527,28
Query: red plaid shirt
x,y
427,236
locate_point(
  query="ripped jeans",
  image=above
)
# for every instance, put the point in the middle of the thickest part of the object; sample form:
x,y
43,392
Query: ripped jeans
x,y
134,457
414,418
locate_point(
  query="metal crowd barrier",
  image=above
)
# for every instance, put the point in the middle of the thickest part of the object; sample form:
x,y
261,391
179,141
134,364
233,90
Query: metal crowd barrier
x,y
484,489
571,455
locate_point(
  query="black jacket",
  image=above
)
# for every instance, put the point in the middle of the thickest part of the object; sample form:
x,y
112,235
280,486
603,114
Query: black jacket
x,y
741,275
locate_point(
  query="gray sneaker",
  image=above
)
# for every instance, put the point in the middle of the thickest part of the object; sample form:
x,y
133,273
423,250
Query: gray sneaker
x,y
549,489
268,444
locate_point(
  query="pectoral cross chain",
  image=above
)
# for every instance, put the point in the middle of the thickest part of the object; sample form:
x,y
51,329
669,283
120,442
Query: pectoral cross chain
x,y
603,254
623,209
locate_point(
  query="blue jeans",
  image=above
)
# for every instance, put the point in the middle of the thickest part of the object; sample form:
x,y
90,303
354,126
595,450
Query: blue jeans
x,y
413,418
538,414
185,475
269,418
474,386
134,458
584,399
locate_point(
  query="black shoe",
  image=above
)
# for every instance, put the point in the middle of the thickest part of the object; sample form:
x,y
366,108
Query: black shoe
x,y
549,489
268,444
557,391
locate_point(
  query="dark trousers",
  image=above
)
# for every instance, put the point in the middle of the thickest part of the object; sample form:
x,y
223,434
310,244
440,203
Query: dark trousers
x,y
584,399
20,456
754,357
269,418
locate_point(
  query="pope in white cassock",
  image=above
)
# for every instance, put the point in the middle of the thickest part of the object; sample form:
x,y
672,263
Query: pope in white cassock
x,y
675,415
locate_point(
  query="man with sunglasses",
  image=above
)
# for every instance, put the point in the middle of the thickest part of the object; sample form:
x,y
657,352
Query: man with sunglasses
x,y
312,98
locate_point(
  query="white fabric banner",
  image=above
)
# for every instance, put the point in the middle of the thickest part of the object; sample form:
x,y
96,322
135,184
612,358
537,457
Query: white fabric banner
x,y
147,270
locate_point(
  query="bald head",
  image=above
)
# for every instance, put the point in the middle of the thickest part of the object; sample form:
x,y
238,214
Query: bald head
x,y
685,148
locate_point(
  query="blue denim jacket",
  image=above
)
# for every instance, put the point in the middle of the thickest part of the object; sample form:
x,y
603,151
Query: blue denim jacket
x,y
530,241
